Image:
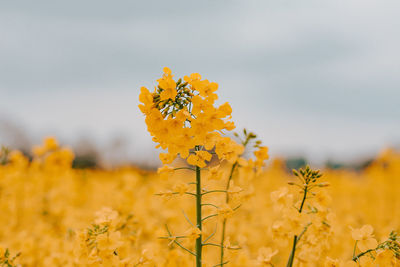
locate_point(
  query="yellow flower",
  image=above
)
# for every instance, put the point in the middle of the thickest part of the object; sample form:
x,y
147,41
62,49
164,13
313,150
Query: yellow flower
x,y
167,71
167,158
167,195
193,233
199,158
39,151
329,262
246,166
364,237
224,110
192,77
211,139
261,155
106,216
181,188
50,143
265,255
168,93
145,96
228,149
384,257
214,173
281,198
209,90
234,190
165,172
225,211
168,86
154,120
200,104
322,200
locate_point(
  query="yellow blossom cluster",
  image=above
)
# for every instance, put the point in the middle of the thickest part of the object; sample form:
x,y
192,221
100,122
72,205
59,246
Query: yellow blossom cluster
x,y
181,116
73,217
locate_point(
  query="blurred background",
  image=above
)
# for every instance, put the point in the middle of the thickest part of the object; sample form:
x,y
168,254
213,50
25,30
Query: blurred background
x,y
318,81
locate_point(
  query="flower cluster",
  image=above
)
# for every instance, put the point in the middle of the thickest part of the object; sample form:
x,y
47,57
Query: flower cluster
x,y
182,117
56,218
51,154
183,120
308,222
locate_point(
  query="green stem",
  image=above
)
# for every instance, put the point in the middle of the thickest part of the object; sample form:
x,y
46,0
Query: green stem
x,y
354,250
183,168
291,257
225,219
304,199
355,258
198,217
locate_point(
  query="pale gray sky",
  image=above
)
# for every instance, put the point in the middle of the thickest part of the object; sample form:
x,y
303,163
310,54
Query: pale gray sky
x,y
315,77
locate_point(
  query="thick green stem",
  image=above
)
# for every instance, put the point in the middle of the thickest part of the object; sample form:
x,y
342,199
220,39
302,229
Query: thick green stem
x,y
291,257
224,221
198,217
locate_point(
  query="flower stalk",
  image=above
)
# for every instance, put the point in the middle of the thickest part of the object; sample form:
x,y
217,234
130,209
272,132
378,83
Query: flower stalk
x,y
308,178
199,245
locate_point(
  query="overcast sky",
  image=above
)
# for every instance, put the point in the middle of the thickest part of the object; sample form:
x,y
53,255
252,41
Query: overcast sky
x,y
319,77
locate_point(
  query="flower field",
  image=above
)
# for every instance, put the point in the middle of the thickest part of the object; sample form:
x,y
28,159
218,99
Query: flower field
x,y
218,200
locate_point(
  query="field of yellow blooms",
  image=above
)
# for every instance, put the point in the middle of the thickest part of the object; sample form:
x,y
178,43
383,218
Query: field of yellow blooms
x,y
222,202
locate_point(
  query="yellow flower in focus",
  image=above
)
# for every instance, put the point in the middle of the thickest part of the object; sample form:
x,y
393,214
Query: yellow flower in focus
x,y
228,149
145,96
168,86
224,110
211,139
192,77
169,93
200,104
199,158
364,237
167,158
